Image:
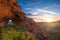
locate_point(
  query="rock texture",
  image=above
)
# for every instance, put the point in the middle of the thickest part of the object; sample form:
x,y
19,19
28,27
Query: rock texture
x,y
10,10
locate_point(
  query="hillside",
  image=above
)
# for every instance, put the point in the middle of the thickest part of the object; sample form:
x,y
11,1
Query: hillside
x,y
49,25
53,28
15,33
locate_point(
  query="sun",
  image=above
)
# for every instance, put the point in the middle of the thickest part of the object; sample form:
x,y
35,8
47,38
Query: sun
x,y
49,20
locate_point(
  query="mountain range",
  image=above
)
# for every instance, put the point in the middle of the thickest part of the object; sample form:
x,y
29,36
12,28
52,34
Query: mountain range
x,y
51,26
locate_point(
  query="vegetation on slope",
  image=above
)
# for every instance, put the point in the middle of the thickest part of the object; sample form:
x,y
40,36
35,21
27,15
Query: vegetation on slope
x,y
54,35
14,33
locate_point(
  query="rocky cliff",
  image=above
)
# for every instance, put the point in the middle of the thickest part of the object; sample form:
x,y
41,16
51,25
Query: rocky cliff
x,y
10,10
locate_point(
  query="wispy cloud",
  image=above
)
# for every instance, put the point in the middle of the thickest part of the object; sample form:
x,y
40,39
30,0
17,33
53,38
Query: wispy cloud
x,y
42,14
38,11
55,5
46,11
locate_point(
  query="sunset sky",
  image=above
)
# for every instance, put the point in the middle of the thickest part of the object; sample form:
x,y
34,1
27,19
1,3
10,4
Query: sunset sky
x,y
41,10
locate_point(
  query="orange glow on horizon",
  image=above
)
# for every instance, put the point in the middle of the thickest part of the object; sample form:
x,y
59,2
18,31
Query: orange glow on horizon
x,y
45,20
49,20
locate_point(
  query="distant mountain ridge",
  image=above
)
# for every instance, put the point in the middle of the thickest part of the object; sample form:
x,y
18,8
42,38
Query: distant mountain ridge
x,y
49,25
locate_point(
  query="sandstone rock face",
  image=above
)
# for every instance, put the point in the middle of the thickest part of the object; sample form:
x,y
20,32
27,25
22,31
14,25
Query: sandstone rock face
x,y
10,10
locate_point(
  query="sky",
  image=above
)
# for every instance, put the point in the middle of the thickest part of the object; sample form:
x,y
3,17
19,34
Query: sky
x,y
41,10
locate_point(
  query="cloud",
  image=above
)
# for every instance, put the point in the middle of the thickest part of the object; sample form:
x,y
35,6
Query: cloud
x,y
41,14
46,11
38,11
43,18
55,5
